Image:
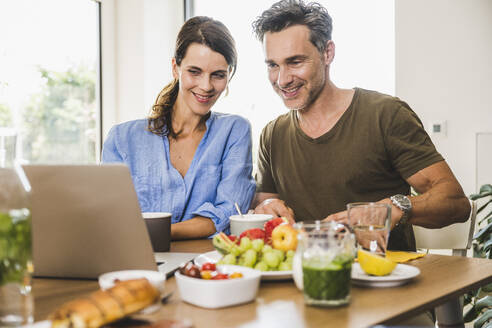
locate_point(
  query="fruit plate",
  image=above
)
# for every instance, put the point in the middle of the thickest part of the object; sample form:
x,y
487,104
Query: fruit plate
x,y
401,275
215,256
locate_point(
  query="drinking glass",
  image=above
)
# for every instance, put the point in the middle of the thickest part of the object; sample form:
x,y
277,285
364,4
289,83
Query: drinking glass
x,y
16,303
371,224
326,250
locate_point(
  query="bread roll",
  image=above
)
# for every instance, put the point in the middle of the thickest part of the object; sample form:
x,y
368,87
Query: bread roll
x,y
104,306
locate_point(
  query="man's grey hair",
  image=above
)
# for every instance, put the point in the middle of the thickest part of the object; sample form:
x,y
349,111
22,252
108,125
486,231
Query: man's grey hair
x,y
286,13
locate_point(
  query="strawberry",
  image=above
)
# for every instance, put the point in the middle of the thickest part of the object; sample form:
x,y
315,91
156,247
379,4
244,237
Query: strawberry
x,y
270,225
255,233
233,238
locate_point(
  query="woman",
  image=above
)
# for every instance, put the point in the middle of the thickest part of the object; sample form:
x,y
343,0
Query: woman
x,y
185,159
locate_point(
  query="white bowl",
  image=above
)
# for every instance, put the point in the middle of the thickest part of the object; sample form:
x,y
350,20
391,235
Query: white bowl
x,y
157,279
214,294
247,221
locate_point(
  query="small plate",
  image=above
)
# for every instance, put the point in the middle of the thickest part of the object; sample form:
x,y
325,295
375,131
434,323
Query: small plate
x,y
401,275
215,256
157,279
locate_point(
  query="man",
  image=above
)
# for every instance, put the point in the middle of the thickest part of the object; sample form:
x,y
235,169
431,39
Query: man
x,y
337,146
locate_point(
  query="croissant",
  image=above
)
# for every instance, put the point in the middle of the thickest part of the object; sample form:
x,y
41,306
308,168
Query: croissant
x,y
104,306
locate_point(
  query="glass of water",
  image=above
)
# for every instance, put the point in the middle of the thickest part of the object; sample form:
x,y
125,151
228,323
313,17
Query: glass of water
x,y
371,224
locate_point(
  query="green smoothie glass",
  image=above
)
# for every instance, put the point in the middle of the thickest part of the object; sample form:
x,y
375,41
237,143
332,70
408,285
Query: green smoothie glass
x,y
326,251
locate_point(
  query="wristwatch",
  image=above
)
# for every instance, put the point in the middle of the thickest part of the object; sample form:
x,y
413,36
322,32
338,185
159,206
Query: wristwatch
x,y
404,204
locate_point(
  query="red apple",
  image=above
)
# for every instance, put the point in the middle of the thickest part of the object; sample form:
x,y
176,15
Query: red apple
x,y
270,225
284,237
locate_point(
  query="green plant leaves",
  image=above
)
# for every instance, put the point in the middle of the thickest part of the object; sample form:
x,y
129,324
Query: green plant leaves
x,y
488,244
471,314
485,188
478,196
488,325
481,235
488,216
467,298
487,288
483,319
481,309
484,302
484,206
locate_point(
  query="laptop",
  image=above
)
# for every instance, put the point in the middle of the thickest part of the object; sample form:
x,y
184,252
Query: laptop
x,y
86,220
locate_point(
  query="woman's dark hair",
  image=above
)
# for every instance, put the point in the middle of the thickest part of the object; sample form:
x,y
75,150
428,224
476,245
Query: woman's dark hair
x,y
202,30
288,13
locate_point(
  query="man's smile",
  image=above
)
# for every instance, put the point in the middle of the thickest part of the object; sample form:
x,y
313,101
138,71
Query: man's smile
x,y
290,92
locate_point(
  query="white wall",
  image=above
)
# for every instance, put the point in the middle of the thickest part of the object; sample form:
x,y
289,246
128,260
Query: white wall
x,y
444,71
137,45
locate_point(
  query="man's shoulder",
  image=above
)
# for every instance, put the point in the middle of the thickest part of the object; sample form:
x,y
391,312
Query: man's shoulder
x,y
281,123
379,100
382,106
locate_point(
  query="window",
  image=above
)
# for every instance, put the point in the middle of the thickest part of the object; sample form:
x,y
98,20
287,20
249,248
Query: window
x,y
49,57
363,32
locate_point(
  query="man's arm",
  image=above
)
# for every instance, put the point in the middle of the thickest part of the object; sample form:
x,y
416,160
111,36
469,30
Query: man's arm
x,y
441,201
269,203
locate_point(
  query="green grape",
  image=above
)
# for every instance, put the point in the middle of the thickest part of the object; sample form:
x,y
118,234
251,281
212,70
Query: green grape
x,y
258,244
245,244
228,259
271,259
290,253
266,249
285,266
280,254
262,266
289,260
248,258
235,250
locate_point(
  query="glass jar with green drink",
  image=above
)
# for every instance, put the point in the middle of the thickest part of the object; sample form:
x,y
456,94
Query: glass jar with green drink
x,y
326,251
16,304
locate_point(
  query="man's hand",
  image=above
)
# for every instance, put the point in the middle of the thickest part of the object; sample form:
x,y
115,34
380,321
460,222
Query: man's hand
x,y
275,207
339,217
396,214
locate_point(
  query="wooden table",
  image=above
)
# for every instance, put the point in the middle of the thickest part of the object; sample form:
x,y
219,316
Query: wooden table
x,y
280,304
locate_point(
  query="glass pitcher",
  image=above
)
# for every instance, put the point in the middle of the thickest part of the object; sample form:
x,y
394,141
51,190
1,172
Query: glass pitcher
x,y
323,262
16,304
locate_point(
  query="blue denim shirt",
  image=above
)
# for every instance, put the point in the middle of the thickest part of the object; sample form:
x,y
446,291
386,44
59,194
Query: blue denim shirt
x,y
218,176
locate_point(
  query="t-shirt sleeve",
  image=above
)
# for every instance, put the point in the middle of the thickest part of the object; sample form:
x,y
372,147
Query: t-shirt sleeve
x,y
264,174
408,144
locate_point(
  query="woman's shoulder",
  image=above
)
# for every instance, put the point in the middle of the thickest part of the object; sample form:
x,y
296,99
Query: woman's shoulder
x,y
131,132
226,119
134,126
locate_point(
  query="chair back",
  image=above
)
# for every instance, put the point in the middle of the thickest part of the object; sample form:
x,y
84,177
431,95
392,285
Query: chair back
x,y
457,236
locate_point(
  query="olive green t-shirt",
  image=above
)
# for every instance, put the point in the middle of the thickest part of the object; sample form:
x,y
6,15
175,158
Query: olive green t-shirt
x,y
376,144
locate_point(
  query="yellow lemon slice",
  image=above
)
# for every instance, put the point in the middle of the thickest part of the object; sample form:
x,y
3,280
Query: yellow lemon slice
x,y
374,264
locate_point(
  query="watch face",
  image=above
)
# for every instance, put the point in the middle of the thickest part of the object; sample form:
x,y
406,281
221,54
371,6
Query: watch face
x,y
403,201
